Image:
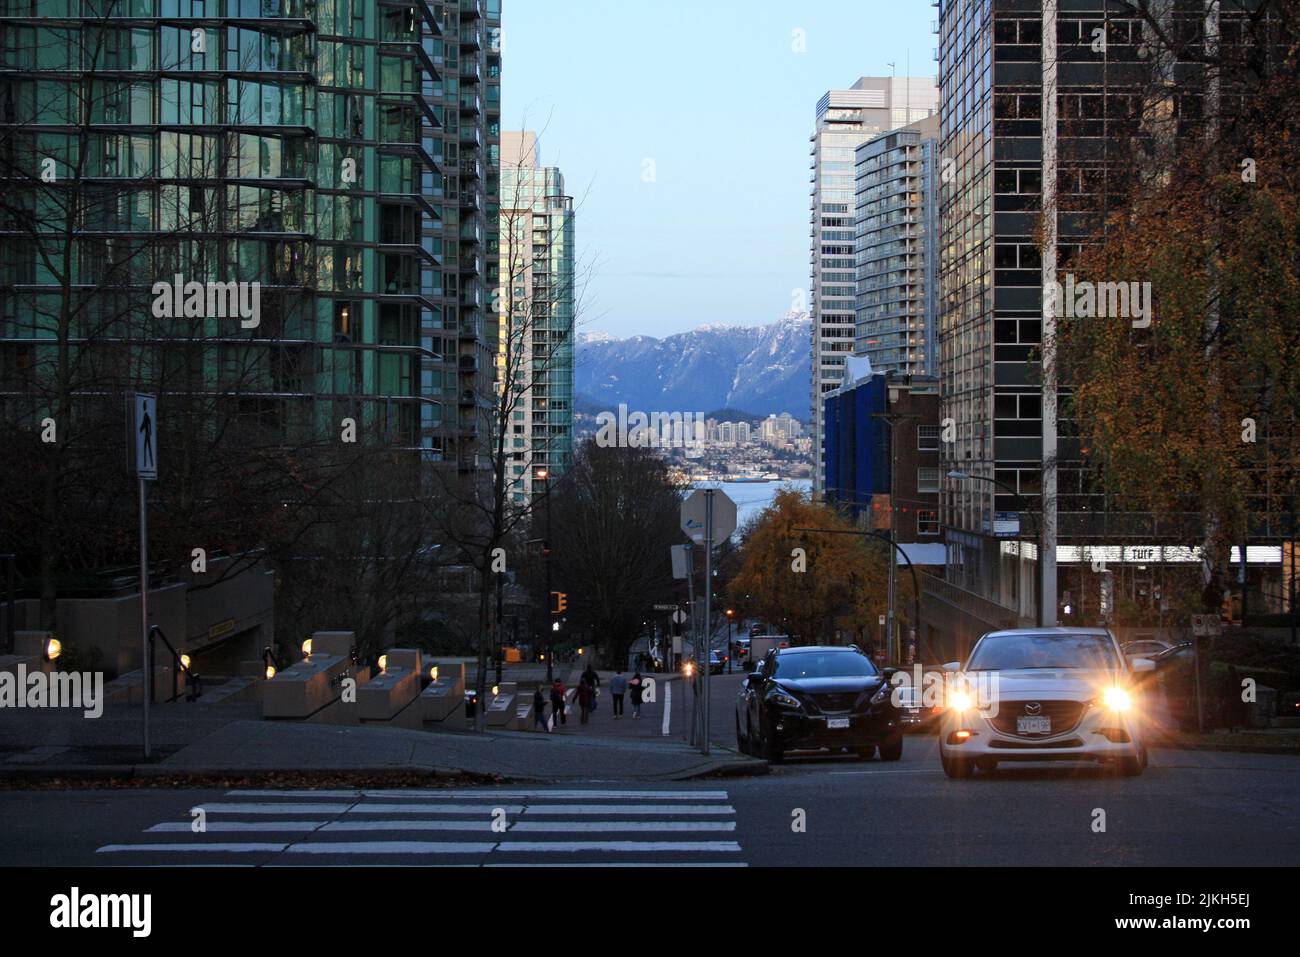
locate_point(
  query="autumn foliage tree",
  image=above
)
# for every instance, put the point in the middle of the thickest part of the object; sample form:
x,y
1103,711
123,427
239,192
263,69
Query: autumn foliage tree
x,y
816,587
1195,414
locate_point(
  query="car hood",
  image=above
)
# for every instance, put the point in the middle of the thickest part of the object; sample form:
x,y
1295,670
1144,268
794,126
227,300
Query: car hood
x,y
840,684
1067,683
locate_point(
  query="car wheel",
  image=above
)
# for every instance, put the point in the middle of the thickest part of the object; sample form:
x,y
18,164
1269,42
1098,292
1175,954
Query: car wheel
x,y
867,753
892,750
772,751
1131,767
956,767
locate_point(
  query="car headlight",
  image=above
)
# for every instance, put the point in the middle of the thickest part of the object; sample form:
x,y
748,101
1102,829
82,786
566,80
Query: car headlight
x,y
1117,699
961,701
785,700
881,696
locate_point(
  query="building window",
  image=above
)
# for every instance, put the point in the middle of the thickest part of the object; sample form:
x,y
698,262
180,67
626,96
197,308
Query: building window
x,y
927,480
927,438
927,521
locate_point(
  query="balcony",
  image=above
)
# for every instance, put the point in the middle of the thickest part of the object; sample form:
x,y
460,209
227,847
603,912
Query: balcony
x,y
471,103
470,39
472,232
467,364
471,168
469,10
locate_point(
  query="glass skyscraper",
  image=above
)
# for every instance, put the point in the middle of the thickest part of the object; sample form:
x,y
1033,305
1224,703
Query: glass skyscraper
x,y
342,154
537,260
845,119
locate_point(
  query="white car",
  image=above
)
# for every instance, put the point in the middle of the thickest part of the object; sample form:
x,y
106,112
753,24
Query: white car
x,y
1043,694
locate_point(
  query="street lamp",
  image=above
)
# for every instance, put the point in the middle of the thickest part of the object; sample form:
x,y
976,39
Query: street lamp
x,y
1038,538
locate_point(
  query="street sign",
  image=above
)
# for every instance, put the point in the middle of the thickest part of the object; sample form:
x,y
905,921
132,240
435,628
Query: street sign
x,y
665,607
144,429
679,616
693,516
681,561
1206,626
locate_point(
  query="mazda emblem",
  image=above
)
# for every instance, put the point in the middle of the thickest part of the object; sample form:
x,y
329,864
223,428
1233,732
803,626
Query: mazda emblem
x,y
1033,707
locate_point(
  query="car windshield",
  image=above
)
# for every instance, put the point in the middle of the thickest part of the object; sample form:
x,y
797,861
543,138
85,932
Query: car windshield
x,y
823,664
1032,652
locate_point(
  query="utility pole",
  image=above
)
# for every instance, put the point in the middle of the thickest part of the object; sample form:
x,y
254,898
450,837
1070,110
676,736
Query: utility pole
x,y
892,420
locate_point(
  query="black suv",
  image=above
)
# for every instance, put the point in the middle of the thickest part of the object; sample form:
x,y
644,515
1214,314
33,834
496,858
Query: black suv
x,y
817,697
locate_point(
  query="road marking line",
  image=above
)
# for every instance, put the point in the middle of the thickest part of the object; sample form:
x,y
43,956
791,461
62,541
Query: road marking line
x,y
668,705
559,827
660,863
190,848
487,810
241,808
486,793
483,825
663,809
388,847
574,847
231,827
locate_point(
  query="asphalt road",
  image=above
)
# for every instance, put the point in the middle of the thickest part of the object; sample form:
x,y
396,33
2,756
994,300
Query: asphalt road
x,y
1189,809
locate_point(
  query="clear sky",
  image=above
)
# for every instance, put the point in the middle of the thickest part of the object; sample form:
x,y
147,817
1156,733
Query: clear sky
x,y
714,95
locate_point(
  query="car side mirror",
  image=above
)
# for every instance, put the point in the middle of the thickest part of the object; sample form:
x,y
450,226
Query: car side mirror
x,y
1140,665
952,666
888,673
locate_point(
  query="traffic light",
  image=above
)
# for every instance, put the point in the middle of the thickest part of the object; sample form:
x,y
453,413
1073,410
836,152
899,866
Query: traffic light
x,y
559,602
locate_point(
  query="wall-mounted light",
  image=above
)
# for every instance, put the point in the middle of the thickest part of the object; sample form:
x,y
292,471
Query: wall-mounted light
x,y
270,672
383,662
53,648
306,648
433,673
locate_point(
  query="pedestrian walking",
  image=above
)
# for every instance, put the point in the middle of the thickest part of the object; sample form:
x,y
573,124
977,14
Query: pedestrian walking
x,y
539,709
585,696
558,691
591,677
618,688
635,687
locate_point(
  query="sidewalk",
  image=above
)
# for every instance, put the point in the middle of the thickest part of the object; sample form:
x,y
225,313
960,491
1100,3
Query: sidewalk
x,y
233,741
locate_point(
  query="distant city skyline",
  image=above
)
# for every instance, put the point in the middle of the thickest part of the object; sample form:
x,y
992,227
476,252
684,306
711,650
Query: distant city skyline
x,y
678,232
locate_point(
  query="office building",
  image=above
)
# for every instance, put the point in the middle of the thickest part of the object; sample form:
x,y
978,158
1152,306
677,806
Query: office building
x,y
844,120
896,227
537,260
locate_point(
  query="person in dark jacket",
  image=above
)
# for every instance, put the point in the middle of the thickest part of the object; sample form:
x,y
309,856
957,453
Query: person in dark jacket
x,y
558,691
539,708
635,687
591,677
585,696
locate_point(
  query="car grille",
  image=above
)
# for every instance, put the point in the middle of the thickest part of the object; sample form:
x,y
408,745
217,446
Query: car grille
x,y
1064,714
840,701
1031,745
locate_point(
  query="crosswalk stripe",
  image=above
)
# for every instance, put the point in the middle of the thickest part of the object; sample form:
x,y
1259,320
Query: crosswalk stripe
x,y
665,809
570,847
659,863
192,848
234,827
620,828
389,847
480,794
562,827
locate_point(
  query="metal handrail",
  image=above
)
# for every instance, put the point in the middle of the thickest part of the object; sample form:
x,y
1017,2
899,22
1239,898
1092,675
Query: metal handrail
x,y
193,688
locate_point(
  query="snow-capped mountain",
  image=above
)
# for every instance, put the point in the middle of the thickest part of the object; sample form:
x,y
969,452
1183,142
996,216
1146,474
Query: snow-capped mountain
x,y
755,369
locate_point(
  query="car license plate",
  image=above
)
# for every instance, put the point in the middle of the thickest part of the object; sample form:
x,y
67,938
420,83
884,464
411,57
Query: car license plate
x,y
834,723
1035,724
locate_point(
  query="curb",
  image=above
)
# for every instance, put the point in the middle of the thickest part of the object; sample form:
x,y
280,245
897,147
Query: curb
x,y
204,776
